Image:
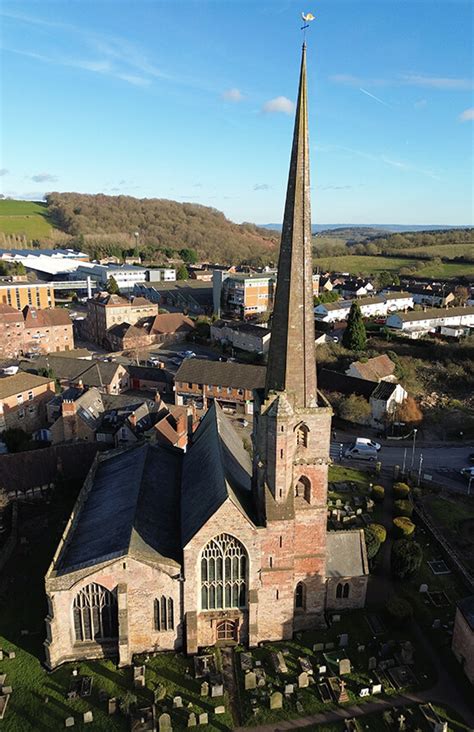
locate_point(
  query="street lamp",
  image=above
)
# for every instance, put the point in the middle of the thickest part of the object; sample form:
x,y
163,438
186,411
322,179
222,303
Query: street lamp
x,y
413,448
419,469
469,485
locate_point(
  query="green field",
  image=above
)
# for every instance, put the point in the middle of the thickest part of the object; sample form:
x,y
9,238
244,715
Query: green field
x,y
24,218
373,265
443,250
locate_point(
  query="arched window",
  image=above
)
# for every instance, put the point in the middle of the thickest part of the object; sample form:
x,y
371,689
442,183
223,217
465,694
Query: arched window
x,y
300,596
164,613
223,574
303,488
302,432
226,630
345,590
342,590
339,591
95,614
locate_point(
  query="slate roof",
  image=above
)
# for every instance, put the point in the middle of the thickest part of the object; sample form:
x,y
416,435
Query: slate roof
x,y
384,390
333,381
216,467
131,508
20,382
466,606
221,373
433,313
375,368
346,554
91,372
150,373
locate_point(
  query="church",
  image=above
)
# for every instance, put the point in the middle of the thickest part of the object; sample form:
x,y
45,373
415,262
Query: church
x,y
167,550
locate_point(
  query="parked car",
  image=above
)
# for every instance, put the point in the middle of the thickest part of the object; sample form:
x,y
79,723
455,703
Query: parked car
x,y
467,473
366,441
361,452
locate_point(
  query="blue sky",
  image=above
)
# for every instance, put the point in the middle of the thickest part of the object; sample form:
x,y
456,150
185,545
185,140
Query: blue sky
x,y
193,101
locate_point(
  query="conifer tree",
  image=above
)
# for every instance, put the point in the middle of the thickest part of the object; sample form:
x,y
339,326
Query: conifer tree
x,y
355,337
112,286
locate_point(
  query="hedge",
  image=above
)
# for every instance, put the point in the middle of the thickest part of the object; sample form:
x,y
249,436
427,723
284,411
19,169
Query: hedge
x,y
378,493
379,531
404,527
401,490
399,610
403,508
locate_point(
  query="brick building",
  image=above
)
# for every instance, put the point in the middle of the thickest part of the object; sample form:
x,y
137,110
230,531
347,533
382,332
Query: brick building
x,y
206,546
23,399
46,331
106,311
11,331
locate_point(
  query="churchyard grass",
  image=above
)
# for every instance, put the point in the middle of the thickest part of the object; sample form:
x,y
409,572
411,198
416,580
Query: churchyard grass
x,y
379,721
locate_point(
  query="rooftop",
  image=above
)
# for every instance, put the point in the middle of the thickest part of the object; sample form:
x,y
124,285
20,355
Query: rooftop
x,y
20,382
346,554
433,313
375,368
221,373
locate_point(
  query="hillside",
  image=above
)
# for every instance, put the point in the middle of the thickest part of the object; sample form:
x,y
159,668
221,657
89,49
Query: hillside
x,y
99,224
23,220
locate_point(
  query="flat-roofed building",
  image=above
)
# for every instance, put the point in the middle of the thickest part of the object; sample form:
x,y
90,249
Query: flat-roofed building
x,y
21,294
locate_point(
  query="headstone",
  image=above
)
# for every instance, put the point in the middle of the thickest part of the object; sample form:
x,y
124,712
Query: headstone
x,y
280,663
1,655
343,695
160,692
336,618
88,717
344,666
376,689
407,653
372,665
220,709
423,588
401,722
7,690
329,646
305,664
11,654
75,671
436,624
361,648
250,681
139,677
177,702
322,670
276,700
164,722
246,662
69,722
318,647
299,707
192,720
261,677
204,718
364,692
204,688
303,681
289,689
258,664
343,640
217,687
441,727
112,705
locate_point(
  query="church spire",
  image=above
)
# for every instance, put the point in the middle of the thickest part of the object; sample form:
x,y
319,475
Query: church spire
x,y
291,359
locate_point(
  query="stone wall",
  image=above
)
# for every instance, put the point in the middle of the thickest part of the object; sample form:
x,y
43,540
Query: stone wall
x,y
463,644
357,593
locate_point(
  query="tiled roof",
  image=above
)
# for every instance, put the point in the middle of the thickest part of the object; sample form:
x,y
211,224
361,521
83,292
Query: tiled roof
x,y
90,372
433,313
20,382
375,368
35,318
221,373
172,323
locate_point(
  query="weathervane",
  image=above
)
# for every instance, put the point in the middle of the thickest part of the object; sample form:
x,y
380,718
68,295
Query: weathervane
x,y
307,18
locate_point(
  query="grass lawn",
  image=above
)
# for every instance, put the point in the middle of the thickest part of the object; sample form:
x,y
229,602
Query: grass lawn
x,y
374,264
442,250
24,217
381,721
341,474
449,512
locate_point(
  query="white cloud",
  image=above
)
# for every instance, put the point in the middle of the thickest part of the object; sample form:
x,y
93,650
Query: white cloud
x,y
233,95
261,187
4,171
44,178
279,104
420,104
467,115
436,82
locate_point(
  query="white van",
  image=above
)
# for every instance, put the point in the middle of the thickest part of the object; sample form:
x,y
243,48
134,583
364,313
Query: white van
x,y
361,452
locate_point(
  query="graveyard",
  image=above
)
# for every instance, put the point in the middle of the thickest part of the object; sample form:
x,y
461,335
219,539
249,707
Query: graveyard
x,y
350,503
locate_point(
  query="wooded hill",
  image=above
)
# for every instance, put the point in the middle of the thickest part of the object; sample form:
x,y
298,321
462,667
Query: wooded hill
x,y
102,224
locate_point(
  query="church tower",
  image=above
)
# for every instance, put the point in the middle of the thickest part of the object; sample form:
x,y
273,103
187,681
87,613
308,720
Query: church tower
x,y
292,423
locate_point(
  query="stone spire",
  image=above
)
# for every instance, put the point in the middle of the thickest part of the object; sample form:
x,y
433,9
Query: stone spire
x,y
291,359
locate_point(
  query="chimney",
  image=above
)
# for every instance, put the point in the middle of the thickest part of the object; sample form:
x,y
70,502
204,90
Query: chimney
x,y
133,420
157,397
68,408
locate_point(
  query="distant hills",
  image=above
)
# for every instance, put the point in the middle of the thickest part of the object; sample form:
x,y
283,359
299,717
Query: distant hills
x,y
374,228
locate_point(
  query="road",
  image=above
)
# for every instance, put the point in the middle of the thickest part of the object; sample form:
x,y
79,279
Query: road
x,y
442,462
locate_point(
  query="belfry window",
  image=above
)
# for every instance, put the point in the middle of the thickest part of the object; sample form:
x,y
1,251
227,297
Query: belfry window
x,y
224,567
303,488
95,614
302,432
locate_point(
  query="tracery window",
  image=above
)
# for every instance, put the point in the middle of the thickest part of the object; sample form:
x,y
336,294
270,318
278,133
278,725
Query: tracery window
x,y
164,613
223,574
95,614
302,432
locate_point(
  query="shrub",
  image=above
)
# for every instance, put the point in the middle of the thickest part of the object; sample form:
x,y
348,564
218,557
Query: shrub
x,y
404,527
403,508
378,493
379,531
406,558
399,610
401,490
372,542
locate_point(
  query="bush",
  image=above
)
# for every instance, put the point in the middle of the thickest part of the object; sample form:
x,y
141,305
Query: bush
x,y
403,508
378,493
399,610
379,531
372,542
406,558
401,490
404,527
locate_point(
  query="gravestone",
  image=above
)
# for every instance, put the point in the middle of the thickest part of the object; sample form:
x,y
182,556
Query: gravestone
x,y
7,690
343,640
343,695
204,718
407,653
289,689
305,664
246,662
329,646
2,679
276,700
372,664
1,655
204,665
112,705
220,709
69,722
204,688
441,727
177,702
401,722
250,681
88,717
344,666
336,618
164,722
299,707
423,588
436,624
361,648
192,720
160,692
11,654
280,663
261,677
322,670
303,681
217,686
376,689
364,692
318,647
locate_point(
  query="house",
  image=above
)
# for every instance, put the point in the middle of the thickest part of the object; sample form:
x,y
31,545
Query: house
x,y
149,378
383,397
107,376
106,311
203,275
230,384
171,328
246,336
11,331
427,321
126,337
23,399
21,294
463,636
75,414
379,368
173,427
430,294
355,287
378,306
47,330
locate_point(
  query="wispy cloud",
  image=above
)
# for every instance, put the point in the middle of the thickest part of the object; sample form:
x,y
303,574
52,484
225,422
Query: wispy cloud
x,y
279,104
44,178
467,115
437,82
377,99
336,188
420,104
261,187
4,171
401,165
26,196
232,95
